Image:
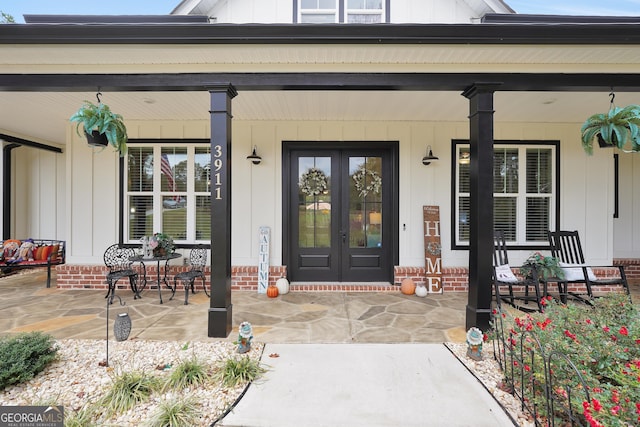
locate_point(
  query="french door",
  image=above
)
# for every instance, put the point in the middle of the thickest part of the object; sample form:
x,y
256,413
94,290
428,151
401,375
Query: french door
x,y
340,212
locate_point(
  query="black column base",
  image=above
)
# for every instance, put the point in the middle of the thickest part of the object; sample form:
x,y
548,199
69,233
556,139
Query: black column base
x,y
478,317
220,322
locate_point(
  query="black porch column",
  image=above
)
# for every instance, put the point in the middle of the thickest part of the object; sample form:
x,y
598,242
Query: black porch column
x,y
220,314
481,205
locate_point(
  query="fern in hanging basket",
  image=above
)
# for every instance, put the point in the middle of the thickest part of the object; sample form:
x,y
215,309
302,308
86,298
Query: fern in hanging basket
x,y
616,127
100,118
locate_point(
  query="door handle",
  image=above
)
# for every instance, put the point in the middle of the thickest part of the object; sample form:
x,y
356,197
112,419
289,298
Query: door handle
x,y
344,236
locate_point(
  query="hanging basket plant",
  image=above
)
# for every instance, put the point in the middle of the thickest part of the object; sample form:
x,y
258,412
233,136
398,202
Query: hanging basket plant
x,y
615,128
98,120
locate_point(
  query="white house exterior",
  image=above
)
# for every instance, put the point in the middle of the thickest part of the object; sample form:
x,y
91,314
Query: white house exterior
x,y
322,90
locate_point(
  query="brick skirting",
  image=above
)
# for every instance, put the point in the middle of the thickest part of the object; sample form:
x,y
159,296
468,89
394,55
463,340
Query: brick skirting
x,y
245,278
71,276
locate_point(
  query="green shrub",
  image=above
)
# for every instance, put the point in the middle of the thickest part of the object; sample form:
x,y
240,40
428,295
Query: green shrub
x,y
175,413
236,371
188,372
25,355
603,342
80,418
128,389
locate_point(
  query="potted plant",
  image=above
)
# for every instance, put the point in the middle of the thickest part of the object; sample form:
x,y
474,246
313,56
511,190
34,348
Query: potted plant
x,y
546,266
613,129
161,244
101,125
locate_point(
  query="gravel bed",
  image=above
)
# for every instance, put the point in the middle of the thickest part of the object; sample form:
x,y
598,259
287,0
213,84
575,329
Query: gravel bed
x,y
78,379
488,372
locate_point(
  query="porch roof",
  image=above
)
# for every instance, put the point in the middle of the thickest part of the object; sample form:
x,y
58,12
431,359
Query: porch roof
x,y
159,71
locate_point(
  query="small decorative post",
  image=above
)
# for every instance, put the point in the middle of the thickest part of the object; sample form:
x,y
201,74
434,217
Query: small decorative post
x,y
474,343
117,329
245,336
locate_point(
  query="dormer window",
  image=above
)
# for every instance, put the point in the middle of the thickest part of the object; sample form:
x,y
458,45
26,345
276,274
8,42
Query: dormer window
x,y
364,11
341,11
318,11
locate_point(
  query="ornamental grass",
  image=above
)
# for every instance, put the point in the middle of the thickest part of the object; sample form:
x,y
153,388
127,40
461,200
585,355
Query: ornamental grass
x,y
601,341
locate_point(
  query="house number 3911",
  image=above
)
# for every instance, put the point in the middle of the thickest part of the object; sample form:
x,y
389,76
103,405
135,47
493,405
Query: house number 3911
x,y
217,165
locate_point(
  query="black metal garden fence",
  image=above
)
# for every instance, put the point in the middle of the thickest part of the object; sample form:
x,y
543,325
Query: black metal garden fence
x,y
547,385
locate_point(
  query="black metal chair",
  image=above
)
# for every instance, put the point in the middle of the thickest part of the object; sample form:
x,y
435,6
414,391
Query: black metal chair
x,y
198,261
504,277
118,261
565,245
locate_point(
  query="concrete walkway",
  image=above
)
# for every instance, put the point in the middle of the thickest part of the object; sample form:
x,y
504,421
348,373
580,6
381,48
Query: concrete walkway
x,y
365,385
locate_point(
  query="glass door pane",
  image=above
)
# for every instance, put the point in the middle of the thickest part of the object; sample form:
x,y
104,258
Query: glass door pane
x,y
365,202
314,202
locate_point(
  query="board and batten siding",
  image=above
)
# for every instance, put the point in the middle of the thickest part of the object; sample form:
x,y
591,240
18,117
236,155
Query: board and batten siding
x,y
38,194
586,184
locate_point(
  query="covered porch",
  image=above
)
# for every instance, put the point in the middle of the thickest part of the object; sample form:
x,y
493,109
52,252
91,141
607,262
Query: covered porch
x,y
426,88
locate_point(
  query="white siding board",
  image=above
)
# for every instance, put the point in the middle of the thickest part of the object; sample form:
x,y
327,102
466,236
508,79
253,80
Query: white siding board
x,y
596,238
81,218
105,210
626,234
332,134
47,203
60,231
242,194
263,187
20,179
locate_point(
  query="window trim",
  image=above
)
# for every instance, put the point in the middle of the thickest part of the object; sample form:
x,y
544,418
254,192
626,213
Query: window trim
x,y
454,193
122,227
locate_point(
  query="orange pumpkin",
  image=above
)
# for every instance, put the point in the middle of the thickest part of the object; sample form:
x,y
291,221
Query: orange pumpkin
x,y
408,287
272,291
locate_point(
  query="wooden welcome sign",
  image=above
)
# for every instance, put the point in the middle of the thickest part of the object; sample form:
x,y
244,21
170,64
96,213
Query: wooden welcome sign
x,y
263,260
432,249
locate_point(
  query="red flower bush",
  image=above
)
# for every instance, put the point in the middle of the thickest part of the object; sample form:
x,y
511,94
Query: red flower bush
x,y
601,341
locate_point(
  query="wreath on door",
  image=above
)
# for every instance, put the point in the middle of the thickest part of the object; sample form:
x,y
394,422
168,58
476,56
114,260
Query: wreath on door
x,y
313,182
360,180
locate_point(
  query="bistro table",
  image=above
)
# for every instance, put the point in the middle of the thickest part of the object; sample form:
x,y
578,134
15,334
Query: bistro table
x,y
160,278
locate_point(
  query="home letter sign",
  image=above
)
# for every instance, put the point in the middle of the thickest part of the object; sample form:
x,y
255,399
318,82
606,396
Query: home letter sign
x,y
263,260
432,249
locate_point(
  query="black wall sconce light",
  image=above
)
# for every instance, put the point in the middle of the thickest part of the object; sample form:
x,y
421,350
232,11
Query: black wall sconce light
x,y
255,159
426,160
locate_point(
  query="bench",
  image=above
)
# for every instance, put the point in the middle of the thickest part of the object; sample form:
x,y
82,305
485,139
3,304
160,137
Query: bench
x,y
32,253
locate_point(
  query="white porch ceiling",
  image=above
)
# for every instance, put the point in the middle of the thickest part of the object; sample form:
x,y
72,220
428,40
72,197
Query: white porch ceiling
x,y
43,116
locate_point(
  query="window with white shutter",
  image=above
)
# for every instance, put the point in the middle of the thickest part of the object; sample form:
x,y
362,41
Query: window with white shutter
x,y
168,190
524,191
